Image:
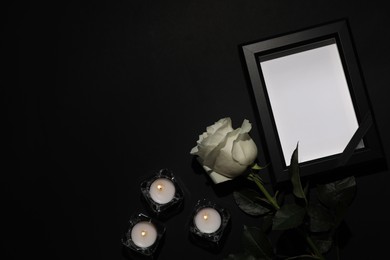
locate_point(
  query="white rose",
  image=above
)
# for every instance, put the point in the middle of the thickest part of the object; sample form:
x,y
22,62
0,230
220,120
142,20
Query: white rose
x,y
224,152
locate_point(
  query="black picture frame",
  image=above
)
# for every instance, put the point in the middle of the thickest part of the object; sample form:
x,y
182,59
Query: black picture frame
x,y
359,150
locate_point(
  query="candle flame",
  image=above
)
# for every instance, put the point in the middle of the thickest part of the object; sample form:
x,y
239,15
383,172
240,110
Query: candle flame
x,y
143,233
160,187
205,216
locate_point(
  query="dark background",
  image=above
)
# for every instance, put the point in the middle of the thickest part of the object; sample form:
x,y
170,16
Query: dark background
x,y
99,95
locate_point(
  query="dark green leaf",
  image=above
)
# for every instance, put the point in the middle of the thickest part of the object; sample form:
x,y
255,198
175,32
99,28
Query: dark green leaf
x,y
323,245
295,176
256,243
323,241
267,222
320,218
303,257
280,197
289,216
241,256
306,189
337,194
250,202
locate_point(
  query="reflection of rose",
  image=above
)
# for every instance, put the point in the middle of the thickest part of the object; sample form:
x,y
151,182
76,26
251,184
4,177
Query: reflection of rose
x,y
224,152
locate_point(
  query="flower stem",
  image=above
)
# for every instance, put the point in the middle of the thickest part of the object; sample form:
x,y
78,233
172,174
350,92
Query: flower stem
x,y
260,185
312,245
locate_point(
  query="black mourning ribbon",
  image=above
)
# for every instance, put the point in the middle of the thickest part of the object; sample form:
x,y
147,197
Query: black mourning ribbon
x,y
356,138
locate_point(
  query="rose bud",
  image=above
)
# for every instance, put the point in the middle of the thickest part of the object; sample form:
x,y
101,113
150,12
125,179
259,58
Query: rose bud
x,y
224,152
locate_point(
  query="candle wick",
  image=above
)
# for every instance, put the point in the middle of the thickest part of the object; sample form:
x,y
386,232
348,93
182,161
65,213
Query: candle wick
x,y
205,217
160,187
143,233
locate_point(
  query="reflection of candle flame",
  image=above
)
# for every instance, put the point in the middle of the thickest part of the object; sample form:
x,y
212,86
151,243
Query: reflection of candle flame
x,y
205,216
160,187
143,233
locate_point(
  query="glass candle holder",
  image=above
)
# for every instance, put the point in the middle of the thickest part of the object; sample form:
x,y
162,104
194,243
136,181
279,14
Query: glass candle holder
x,y
162,193
143,236
208,224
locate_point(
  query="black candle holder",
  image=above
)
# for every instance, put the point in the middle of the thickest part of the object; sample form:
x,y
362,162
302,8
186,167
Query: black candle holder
x,y
165,209
212,241
131,248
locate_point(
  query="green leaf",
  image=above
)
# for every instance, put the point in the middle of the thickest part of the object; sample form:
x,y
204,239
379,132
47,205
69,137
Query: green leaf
x,y
302,257
289,216
249,201
321,219
306,189
323,245
241,256
267,222
337,194
295,176
257,167
256,243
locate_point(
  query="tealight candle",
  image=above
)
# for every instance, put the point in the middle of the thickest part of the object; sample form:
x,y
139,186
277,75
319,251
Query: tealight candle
x,y
162,190
144,234
207,220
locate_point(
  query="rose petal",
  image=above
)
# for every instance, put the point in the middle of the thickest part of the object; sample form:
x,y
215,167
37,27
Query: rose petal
x,y
221,160
229,168
217,136
224,152
203,136
246,126
211,141
195,150
213,128
215,177
244,150
211,157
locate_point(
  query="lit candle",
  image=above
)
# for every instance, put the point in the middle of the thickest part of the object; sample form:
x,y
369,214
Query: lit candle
x,y
207,220
144,234
162,190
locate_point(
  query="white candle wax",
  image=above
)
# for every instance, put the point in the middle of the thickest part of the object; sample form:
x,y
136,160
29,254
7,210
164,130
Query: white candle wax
x,y
144,234
162,190
207,220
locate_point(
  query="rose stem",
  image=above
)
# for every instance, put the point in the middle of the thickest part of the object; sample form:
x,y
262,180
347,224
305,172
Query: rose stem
x,y
259,184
